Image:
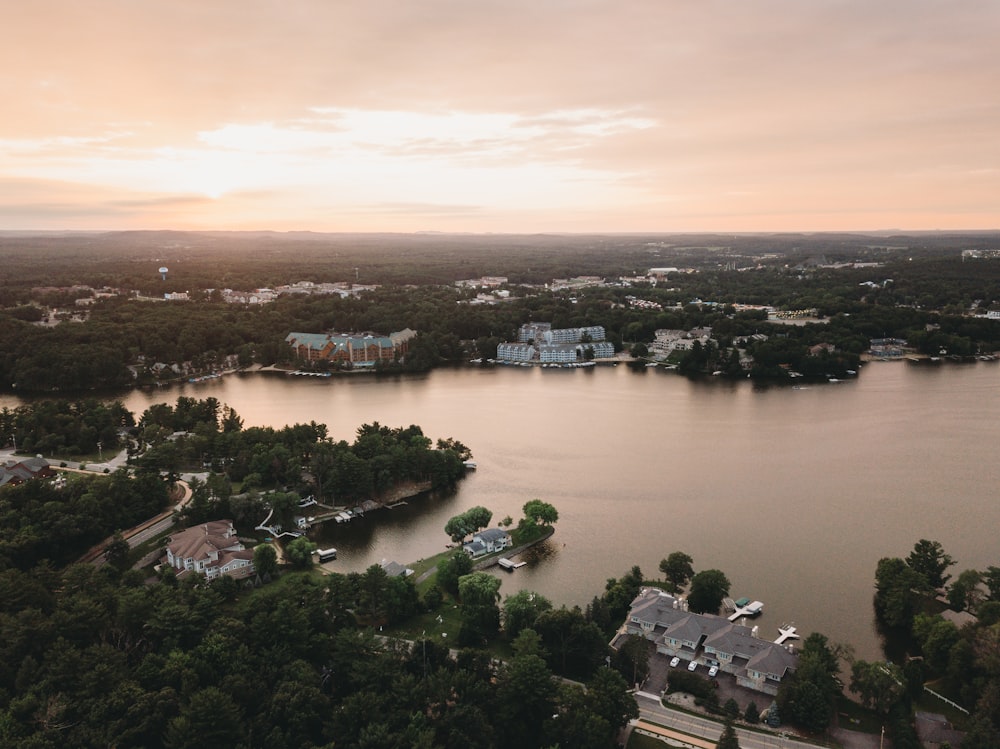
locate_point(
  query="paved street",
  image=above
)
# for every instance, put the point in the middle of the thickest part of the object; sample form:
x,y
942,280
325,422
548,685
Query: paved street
x,y
650,709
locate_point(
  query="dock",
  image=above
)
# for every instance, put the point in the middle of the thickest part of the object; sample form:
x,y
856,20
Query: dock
x,y
753,608
507,564
786,632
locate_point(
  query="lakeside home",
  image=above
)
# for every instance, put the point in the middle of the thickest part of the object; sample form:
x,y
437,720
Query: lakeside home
x,y
710,640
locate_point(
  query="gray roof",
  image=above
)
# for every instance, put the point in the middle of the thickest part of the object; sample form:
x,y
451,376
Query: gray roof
x,y
774,660
491,535
738,641
694,627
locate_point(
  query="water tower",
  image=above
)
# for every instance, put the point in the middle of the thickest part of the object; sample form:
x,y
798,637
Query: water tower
x,y
163,273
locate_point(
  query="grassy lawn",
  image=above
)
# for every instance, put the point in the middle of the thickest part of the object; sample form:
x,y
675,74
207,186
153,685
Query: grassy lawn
x,y
442,625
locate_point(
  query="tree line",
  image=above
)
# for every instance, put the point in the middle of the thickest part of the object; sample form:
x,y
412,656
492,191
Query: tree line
x,y
923,297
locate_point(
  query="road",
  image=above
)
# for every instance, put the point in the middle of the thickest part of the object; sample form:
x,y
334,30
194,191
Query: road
x,y
651,710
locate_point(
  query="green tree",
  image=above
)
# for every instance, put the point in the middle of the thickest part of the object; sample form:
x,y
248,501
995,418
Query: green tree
x,y
116,553
965,594
929,559
608,696
632,659
526,701
299,553
898,588
728,739
807,698
878,685
708,588
540,513
678,570
936,638
265,560
464,524
451,569
991,577
479,592
752,714
520,611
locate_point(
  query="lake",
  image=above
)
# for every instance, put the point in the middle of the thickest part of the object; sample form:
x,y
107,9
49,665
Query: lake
x,y
794,493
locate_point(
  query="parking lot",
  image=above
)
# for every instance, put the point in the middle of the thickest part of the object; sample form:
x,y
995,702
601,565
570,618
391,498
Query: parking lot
x,y
659,670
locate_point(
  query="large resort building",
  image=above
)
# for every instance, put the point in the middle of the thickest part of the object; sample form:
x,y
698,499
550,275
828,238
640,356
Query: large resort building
x,y
355,350
709,640
539,342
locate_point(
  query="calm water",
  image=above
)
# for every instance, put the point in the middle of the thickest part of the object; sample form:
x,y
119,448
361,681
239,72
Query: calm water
x,y
794,493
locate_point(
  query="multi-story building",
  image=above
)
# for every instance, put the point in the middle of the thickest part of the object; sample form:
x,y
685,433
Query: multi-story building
x,y
539,341
357,350
211,549
710,640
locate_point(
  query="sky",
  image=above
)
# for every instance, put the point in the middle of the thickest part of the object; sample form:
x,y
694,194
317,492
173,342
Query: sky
x,y
505,117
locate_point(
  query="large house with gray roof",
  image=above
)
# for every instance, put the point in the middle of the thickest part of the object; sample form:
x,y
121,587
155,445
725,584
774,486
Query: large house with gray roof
x,y
212,549
709,640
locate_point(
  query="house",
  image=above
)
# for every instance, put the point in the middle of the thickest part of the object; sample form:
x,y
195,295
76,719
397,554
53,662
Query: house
x,y
488,541
211,549
395,569
15,472
713,640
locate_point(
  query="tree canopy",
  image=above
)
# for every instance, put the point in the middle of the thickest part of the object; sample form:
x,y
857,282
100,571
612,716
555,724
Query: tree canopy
x,y
708,588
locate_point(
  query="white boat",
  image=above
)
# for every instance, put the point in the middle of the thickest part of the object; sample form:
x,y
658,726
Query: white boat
x,y
471,465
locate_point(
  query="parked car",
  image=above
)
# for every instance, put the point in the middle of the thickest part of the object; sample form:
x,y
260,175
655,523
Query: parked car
x,y
692,666
713,671
674,662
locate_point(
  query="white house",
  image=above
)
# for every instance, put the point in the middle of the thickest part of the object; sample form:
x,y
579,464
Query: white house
x,y
488,541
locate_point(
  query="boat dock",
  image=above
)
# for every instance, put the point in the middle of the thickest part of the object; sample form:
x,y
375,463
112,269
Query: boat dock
x,y
507,564
786,632
754,608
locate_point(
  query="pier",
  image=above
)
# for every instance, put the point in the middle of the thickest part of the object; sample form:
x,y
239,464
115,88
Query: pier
x,y
786,632
751,609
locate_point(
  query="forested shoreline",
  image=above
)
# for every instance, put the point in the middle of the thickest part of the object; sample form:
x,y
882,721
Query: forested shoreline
x,y
924,291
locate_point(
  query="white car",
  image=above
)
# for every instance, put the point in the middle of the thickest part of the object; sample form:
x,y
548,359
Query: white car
x,y
674,662
713,671
692,666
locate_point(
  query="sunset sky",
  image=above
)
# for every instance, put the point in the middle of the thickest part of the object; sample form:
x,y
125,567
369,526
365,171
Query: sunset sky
x,y
513,116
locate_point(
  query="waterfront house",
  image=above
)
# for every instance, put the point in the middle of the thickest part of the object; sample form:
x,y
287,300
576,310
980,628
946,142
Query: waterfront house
x,y
487,541
713,640
211,549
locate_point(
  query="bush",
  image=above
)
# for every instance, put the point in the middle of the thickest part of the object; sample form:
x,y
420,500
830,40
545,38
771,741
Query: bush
x,y
433,598
684,681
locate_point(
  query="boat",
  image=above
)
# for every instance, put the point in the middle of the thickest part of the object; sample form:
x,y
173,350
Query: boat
x,y
470,465
326,555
